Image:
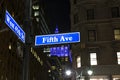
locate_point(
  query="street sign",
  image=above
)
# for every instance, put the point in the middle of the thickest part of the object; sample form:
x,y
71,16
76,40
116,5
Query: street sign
x,y
12,24
57,38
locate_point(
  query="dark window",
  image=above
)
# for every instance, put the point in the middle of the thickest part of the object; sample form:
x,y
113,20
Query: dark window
x,y
91,35
76,18
115,12
75,1
90,14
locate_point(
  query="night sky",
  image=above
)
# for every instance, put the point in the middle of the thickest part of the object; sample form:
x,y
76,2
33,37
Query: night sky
x,y
58,14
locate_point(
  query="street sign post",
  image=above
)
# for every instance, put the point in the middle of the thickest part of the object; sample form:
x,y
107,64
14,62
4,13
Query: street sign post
x,y
57,38
12,24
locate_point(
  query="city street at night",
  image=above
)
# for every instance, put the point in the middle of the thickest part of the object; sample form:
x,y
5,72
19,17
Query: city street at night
x,y
60,40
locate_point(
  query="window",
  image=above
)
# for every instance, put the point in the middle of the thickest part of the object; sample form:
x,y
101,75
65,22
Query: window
x,y
76,18
35,7
100,77
93,59
115,12
75,1
118,57
66,59
90,14
36,13
116,77
10,47
91,35
117,34
78,62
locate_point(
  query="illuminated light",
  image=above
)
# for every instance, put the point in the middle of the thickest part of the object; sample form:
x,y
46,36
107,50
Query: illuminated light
x,y
46,50
37,19
62,38
68,72
48,55
93,59
38,59
53,67
12,24
66,59
13,14
49,71
41,62
35,7
78,62
36,56
10,47
36,13
90,72
60,69
60,51
118,57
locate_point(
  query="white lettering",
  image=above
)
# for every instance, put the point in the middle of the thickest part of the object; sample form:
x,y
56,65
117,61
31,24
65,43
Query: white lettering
x,y
11,24
18,31
62,38
70,38
49,39
55,39
65,38
43,40
22,36
8,18
16,28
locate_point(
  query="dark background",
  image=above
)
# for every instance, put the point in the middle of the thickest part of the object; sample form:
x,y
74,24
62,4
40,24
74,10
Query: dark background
x,y
58,14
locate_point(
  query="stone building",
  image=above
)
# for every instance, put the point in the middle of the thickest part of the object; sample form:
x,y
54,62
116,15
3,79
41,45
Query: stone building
x,y
98,22
12,49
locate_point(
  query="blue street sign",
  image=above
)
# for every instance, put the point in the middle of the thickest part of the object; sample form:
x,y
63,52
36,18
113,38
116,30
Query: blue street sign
x,y
12,24
57,38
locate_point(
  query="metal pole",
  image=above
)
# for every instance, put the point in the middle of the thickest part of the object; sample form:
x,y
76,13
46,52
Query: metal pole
x,y
26,63
28,41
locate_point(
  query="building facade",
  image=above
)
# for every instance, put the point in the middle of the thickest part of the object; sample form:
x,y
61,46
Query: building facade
x,y
98,22
12,49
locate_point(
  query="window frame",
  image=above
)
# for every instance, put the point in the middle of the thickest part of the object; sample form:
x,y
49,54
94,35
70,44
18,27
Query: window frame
x,y
78,61
74,1
117,36
115,12
92,35
90,14
75,18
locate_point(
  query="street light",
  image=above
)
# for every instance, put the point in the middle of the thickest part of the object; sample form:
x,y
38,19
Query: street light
x,y
90,72
78,76
68,72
